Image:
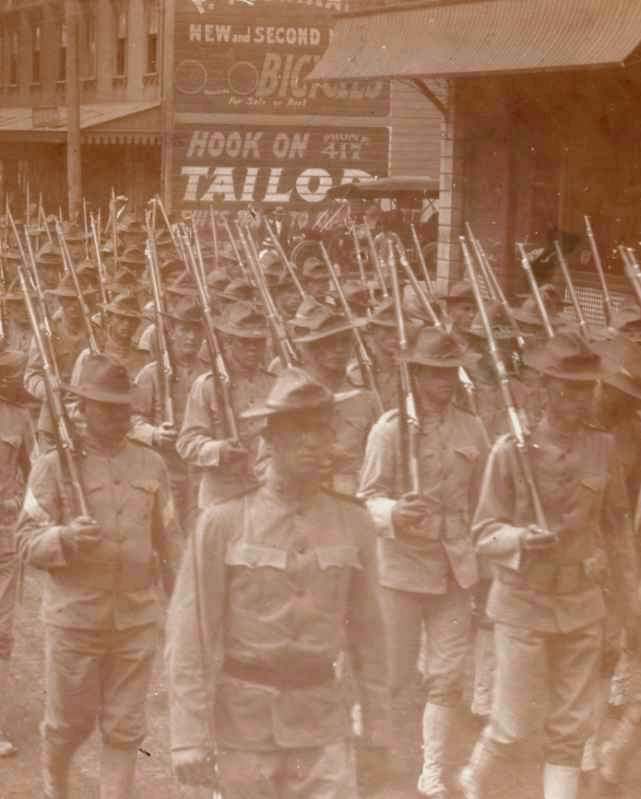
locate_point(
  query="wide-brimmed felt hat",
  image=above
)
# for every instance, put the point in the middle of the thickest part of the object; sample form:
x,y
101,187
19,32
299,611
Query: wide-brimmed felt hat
x,y
103,380
268,258
134,228
549,293
315,320
243,320
436,348
171,265
190,314
124,304
217,279
567,357
294,392
528,313
458,292
314,268
238,289
14,293
383,314
163,239
622,359
627,318
124,281
133,256
49,255
183,286
74,234
66,287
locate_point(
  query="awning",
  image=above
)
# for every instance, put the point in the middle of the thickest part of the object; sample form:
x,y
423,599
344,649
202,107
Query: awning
x,y
51,123
481,38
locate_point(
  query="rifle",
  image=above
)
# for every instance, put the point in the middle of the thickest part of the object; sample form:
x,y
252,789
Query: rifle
x,y
286,347
632,269
583,325
166,221
214,232
361,267
67,449
164,363
287,263
234,247
483,264
408,416
3,287
219,369
421,259
420,292
375,262
102,277
534,288
364,361
518,431
84,308
596,257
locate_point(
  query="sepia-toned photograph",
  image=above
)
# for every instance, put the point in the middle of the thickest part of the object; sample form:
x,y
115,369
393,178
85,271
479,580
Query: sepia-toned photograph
x,y
320,399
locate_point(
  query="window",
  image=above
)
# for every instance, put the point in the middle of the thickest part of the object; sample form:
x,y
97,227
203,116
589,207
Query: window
x,y
14,46
153,23
121,39
62,52
35,53
89,43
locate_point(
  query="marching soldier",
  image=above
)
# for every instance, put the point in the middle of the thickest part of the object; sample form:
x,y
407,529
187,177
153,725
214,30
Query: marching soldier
x,y
149,426
226,465
69,339
16,445
18,331
426,555
546,600
277,582
100,606
122,319
326,342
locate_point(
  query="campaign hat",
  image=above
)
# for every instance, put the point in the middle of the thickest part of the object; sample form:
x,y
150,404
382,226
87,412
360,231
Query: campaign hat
x,y
623,361
461,291
133,256
243,320
66,287
189,314
567,356
314,320
294,392
124,304
436,348
103,380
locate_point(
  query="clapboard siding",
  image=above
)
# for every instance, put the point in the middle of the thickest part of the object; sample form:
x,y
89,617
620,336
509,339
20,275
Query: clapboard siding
x,y
416,132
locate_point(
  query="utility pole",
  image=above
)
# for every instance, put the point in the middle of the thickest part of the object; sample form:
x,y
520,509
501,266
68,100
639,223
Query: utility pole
x,y
74,154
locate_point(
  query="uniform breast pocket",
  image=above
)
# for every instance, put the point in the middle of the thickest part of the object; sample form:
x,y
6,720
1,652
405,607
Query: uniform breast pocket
x,y
140,501
331,579
257,575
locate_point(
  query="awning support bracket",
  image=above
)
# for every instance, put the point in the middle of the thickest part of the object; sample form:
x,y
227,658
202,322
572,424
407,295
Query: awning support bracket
x,y
429,94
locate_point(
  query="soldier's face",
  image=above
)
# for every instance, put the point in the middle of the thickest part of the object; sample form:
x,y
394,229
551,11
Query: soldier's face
x,y
249,353
71,311
122,328
318,287
107,422
301,444
385,340
186,339
570,402
462,314
332,353
435,385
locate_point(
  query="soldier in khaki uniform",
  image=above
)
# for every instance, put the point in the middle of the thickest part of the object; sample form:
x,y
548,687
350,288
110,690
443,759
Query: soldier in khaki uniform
x,y
149,425
100,607
284,576
426,554
69,339
546,600
226,466
16,445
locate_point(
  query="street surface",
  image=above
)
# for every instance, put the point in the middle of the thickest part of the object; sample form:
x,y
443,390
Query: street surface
x,y
20,775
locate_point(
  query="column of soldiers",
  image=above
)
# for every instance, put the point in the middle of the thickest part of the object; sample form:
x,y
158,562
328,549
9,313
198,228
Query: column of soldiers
x,y
224,439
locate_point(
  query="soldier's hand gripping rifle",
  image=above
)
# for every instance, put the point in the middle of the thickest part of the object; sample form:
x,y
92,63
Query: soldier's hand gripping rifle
x,y
408,415
517,429
598,264
84,308
68,451
536,293
286,349
364,360
164,361
220,372
583,325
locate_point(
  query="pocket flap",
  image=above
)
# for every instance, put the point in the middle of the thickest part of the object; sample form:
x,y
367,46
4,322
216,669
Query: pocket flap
x,y
150,486
469,453
12,441
254,556
341,556
594,483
